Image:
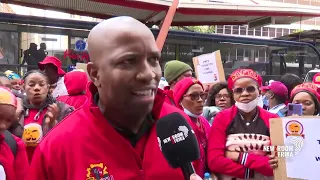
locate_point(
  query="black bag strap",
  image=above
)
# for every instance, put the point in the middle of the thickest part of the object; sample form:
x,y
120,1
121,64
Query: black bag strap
x,y
9,139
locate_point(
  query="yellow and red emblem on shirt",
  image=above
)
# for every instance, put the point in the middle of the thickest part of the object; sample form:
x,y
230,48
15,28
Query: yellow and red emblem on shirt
x,y
98,171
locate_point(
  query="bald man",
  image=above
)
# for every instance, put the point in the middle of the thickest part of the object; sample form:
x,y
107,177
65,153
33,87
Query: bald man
x,y
113,135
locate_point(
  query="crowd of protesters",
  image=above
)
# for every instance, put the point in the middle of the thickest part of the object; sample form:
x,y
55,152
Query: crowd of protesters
x,y
100,124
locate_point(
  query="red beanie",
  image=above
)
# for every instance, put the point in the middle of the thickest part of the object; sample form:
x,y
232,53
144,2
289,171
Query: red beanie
x,y
182,87
243,73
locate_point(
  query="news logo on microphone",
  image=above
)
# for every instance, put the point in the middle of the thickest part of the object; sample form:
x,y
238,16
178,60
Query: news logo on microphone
x,y
175,135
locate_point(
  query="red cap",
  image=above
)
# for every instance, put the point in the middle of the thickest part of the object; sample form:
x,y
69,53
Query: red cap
x,y
278,88
308,87
243,73
54,61
182,87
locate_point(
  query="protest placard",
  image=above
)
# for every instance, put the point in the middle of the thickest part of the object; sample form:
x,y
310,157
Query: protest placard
x,y
209,68
296,143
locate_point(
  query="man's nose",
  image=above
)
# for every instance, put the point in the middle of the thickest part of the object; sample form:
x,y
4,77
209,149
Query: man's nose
x,y
146,72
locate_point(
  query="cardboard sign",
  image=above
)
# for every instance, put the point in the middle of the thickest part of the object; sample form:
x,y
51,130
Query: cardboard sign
x,y
209,68
301,157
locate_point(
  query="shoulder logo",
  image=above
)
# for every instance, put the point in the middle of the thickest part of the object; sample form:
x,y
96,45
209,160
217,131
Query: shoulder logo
x,y
98,172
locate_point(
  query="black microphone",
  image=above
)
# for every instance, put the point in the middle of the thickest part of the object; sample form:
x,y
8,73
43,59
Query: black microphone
x,y
178,142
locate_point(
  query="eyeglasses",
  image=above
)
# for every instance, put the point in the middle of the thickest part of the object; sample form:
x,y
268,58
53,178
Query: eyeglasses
x,y
249,89
196,96
224,96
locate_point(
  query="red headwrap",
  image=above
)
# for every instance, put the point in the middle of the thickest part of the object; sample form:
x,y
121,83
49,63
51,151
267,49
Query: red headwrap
x,y
182,87
243,73
308,87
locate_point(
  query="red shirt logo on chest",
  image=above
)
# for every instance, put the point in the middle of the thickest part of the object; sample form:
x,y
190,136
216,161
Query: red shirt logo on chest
x,y
98,172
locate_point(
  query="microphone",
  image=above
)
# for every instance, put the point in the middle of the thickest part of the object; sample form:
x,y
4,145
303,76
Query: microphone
x,y
178,143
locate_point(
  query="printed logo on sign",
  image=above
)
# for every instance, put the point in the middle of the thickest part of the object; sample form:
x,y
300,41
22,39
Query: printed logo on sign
x,y
294,141
294,128
98,172
178,137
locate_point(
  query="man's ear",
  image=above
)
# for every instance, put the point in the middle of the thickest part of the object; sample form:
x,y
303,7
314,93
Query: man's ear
x,y
93,74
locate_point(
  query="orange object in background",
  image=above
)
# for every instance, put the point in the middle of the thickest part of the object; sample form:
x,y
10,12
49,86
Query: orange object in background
x,y
166,24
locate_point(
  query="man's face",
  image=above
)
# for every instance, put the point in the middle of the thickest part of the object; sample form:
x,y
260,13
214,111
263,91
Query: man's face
x,y
129,72
52,72
185,75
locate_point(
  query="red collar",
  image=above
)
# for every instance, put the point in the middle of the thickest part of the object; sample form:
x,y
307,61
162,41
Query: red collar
x,y
157,106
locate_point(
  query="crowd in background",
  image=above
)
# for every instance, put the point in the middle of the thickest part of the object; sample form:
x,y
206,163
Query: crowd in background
x,y
230,119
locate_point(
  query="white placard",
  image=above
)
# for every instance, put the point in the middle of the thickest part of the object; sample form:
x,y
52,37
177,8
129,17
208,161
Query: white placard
x,y
2,173
303,134
207,68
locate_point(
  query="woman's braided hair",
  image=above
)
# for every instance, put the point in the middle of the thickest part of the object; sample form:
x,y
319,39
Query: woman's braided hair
x,y
50,99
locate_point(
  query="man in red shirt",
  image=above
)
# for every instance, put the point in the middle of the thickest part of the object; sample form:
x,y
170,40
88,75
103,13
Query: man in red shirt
x,y
175,71
113,135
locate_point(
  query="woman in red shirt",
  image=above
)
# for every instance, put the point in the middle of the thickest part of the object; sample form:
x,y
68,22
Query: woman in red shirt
x,y
40,110
235,145
189,96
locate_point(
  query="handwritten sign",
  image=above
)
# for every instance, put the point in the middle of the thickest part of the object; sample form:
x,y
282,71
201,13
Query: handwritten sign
x,y
208,67
302,134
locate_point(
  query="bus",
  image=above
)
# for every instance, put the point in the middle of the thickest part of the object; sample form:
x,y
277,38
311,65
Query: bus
x,y
270,58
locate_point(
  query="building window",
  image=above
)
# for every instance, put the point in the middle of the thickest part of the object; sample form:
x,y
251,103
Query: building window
x,y
227,29
279,32
257,32
272,32
265,32
243,30
235,30
219,29
9,52
286,32
250,31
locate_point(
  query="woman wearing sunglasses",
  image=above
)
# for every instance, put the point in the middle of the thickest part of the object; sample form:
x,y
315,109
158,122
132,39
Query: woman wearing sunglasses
x,y
235,145
189,96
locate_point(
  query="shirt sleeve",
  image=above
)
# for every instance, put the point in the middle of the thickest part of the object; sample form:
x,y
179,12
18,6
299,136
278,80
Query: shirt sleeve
x,y
38,169
257,163
217,161
21,164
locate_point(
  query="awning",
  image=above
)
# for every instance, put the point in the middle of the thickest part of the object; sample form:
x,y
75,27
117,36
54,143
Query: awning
x,y
311,36
200,12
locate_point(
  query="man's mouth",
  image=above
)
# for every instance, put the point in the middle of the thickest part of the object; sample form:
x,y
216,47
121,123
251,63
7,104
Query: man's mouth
x,y
149,92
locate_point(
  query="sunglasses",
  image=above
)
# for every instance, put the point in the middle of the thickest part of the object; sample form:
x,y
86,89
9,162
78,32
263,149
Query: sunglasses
x,y
224,96
197,96
249,89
